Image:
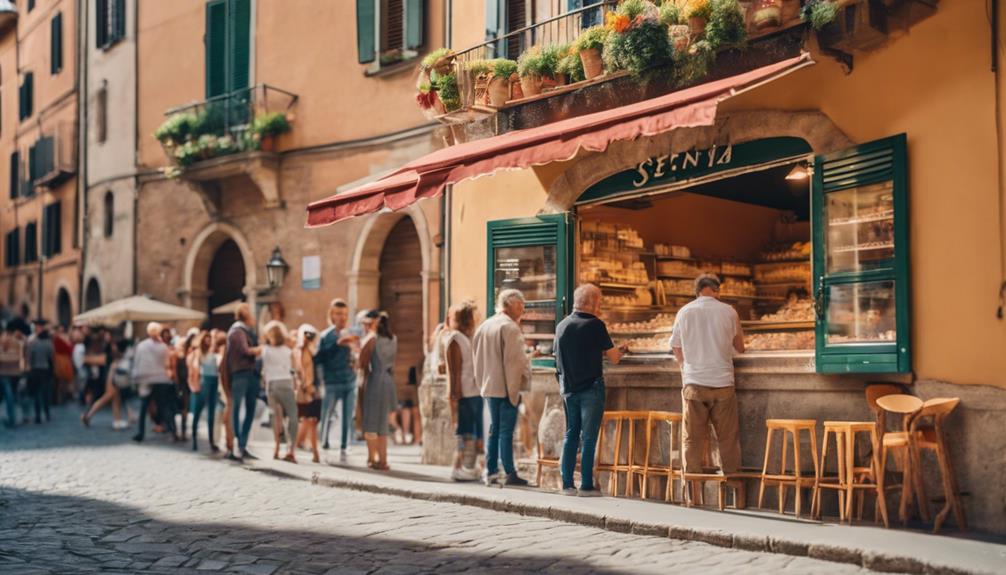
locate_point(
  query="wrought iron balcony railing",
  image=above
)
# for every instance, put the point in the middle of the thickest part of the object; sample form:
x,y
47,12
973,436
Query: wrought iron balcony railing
x,y
240,121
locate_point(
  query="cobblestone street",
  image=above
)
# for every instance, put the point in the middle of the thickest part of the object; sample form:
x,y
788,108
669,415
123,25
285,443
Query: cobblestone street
x,y
76,500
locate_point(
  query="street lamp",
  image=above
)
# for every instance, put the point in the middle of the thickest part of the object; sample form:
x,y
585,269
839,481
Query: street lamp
x,y
276,268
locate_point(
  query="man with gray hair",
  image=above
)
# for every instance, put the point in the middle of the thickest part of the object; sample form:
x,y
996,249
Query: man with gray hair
x,y
706,334
502,369
151,374
581,342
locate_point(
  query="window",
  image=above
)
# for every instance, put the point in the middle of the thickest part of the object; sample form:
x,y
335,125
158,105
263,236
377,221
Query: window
x,y
31,5
31,243
26,94
503,17
110,22
101,113
52,229
15,174
56,44
109,210
589,17
861,259
12,248
389,31
228,46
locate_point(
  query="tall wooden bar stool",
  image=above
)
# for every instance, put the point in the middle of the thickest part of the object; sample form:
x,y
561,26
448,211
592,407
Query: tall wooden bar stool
x,y
900,444
625,423
850,476
796,478
652,468
874,392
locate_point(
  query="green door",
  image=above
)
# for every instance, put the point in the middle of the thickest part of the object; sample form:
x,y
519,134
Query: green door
x,y
861,259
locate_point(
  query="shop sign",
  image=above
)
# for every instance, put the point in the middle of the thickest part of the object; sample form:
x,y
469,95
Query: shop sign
x,y
681,166
310,273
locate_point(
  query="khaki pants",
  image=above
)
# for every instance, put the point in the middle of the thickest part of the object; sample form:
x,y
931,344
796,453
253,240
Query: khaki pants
x,y
702,406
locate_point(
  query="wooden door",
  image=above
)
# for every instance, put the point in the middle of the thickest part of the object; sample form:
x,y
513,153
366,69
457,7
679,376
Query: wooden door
x,y
401,295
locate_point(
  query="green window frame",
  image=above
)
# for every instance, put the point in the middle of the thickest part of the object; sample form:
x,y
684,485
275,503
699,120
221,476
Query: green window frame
x,y
389,31
228,47
552,230
31,243
110,22
56,44
52,229
853,295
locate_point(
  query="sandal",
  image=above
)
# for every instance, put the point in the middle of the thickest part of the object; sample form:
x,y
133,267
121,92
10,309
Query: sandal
x,y
85,420
289,457
316,459
382,466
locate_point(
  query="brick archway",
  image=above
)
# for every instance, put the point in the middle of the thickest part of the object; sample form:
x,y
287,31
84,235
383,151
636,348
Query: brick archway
x,y
197,264
814,127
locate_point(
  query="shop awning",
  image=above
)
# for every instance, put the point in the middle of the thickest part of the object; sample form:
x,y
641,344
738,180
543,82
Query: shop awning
x,y
427,176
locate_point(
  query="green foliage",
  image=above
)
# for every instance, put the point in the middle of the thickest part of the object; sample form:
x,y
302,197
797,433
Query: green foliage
x,y
572,67
431,59
176,129
538,61
692,66
591,39
633,8
271,124
210,120
187,153
447,89
819,13
478,67
641,48
698,9
726,28
503,68
670,14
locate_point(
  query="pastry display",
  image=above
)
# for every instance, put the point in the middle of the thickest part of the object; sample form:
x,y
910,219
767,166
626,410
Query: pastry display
x,y
780,341
660,323
731,287
656,344
735,269
599,270
795,309
641,297
795,251
796,272
673,251
677,268
601,236
678,287
884,336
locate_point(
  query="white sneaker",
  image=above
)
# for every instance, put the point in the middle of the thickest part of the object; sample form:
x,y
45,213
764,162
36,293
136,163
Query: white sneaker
x,y
595,492
343,453
462,474
571,491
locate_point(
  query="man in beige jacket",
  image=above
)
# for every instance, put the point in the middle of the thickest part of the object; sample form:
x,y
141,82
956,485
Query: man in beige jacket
x,y
502,369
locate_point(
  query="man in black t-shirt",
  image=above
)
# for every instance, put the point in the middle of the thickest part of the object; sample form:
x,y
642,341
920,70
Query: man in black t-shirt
x,y
581,343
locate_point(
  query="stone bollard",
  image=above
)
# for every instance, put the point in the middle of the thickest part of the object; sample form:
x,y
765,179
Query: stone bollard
x,y
439,439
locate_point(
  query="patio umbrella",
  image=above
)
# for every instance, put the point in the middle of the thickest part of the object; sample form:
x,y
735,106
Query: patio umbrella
x,y
228,308
138,308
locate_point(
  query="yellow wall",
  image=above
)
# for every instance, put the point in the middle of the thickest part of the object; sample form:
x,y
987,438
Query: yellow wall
x,y
933,84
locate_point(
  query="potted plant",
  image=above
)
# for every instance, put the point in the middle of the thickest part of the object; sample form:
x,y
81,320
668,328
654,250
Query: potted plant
x,y
670,16
590,45
439,61
477,73
176,129
550,61
637,41
571,66
819,13
532,67
697,12
767,14
726,28
447,91
499,86
267,127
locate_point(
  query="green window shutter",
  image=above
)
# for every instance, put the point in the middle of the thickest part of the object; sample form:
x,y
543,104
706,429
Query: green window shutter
x,y
119,20
216,48
15,168
366,42
861,259
52,234
415,24
101,23
29,94
239,45
56,44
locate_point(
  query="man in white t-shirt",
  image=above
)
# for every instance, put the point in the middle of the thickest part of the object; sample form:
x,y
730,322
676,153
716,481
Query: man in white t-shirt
x,y
706,334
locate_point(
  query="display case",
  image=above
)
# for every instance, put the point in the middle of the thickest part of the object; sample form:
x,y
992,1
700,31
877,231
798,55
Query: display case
x,y
861,259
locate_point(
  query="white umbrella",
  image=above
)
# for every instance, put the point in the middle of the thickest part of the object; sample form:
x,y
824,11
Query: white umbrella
x,y
228,308
138,308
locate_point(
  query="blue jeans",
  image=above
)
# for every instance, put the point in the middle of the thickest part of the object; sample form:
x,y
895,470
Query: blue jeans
x,y
346,393
163,396
40,388
207,397
244,385
503,419
584,411
8,383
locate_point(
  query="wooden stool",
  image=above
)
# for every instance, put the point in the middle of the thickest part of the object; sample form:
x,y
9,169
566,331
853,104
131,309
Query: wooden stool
x,y
620,419
670,470
850,478
783,479
899,443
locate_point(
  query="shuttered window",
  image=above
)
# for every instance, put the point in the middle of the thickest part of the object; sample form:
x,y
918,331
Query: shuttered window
x,y
52,229
588,18
12,248
31,5
56,44
101,114
26,94
389,31
31,243
110,22
503,17
15,174
228,46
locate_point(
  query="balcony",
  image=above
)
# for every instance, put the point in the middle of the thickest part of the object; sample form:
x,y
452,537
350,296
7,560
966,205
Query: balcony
x,y
553,70
51,160
233,135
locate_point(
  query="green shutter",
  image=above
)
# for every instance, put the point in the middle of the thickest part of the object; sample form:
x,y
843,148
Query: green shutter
x,y
869,164
415,24
216,48
101,23
119,20
15,168
239,44
56,44
366,43
29,94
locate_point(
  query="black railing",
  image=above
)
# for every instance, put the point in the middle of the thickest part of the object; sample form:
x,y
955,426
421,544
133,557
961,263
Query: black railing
x,y
558,30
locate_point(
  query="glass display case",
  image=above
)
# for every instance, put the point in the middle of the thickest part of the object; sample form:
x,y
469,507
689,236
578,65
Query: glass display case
x,y
861,259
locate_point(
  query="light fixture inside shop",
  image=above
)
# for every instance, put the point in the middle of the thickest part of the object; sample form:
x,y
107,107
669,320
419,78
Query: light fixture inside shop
x,y
276,269
799,173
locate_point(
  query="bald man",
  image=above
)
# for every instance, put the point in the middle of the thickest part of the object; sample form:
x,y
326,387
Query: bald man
x,y
581,344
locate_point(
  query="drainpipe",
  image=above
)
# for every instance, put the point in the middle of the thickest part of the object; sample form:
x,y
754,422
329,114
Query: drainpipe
x,y
445,201
81,217
136,141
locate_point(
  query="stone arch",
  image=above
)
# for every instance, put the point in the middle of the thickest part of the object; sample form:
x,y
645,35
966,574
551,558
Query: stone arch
x,y
364,274
64,306
814,127
92,294
200,256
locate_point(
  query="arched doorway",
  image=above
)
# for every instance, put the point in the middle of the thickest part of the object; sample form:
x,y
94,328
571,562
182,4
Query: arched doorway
x,y
64,308
92,295
400,292
225,281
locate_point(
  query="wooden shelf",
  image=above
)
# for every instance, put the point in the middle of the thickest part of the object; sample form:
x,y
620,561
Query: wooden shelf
x,y
754,325
863,220
621,286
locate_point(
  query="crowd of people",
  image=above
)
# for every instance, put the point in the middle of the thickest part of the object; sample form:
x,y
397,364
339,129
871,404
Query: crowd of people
x,y
309,378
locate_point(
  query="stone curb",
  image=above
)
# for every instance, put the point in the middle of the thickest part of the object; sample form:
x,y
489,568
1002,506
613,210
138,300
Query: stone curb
x,y
833,553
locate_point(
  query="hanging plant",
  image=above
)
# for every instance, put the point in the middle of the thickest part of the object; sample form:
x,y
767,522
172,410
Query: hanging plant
x,y
819,13
447,91
726,28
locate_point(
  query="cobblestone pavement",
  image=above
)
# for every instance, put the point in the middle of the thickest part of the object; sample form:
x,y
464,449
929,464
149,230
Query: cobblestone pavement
x,y
88,500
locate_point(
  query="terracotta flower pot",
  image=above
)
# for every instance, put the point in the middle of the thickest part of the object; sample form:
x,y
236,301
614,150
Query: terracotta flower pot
x,y
697,26
681,36
767,14
267,143
516,92
550,82
499,91
593,66
531,85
